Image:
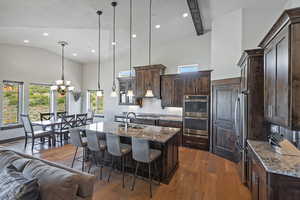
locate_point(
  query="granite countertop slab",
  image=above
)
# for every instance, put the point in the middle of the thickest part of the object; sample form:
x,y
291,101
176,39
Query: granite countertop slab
x,y
175,118
151,133
274,162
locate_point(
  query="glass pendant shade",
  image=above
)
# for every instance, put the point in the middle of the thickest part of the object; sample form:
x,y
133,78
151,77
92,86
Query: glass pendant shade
x,y
59,82
113,94
130,93
54,87
149,93
99,93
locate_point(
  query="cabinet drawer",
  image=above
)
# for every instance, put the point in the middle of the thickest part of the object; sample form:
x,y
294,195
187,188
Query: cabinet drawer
x,y
172,124
144,121
195,142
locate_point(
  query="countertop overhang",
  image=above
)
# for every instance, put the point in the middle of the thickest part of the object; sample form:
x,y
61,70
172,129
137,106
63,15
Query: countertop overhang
x,y
151,133
155,117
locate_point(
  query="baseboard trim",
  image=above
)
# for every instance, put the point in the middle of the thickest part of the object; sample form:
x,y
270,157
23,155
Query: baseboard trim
x,y
11,140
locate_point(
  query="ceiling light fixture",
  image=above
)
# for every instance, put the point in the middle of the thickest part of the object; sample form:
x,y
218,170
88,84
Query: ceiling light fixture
x,y
130,90
184,15
93,51
157,26
45,34
26,41
99,92
74,54
149,92
114,88
62,86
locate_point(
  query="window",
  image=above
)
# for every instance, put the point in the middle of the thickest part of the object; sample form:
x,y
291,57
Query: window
x,y
39,100
188,68
126,73
61,103
12,102
95,102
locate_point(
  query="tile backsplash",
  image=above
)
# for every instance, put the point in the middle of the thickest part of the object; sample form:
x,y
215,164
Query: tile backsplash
x,y
292,136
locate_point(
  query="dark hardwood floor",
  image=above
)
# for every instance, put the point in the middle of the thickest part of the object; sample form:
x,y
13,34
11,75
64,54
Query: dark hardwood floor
x,y
200,176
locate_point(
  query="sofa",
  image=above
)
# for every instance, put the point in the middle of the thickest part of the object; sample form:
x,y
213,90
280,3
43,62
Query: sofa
x,y
55,181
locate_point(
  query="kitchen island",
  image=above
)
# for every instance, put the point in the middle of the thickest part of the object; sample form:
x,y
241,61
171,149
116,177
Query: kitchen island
x,y
164,139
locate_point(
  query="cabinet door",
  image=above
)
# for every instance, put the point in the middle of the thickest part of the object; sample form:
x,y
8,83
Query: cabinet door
x,y
281,108
155,82
244,76
270,75
178,92
167,91
140,83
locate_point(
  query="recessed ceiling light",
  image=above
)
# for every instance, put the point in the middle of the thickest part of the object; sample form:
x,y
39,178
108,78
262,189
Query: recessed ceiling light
x,y
26,41
74,54
134,35
157,26
45,34
93,51
113,43
184,15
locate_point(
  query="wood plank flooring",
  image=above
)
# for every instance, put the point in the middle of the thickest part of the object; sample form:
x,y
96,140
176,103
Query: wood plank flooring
x,y
200,176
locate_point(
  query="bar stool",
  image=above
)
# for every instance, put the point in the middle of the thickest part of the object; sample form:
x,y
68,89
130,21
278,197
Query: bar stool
x,y
96,145
116,149
142,153
78,142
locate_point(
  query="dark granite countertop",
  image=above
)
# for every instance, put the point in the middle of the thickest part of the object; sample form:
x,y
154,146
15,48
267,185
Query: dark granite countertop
x,y
274,162
151,133
176,118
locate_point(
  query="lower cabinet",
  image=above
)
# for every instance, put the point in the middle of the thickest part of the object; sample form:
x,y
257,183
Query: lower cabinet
x,y
269,186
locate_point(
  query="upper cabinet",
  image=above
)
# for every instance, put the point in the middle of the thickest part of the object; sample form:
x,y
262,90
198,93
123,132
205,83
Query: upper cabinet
x,y
124,85
148,77
175,86
252,85
282,71
171,91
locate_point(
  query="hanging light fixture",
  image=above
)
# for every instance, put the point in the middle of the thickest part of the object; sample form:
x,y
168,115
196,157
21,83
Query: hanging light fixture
x,y
62,86
149,92
99,92
130,91
114,88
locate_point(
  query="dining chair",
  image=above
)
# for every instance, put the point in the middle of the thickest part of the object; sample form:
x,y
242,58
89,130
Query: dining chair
x,y
142,153
67,122
79,142
116,149
96,146
33,134
81,119
90,117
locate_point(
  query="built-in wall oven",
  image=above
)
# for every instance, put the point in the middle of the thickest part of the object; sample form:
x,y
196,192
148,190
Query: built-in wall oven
x,y
196,116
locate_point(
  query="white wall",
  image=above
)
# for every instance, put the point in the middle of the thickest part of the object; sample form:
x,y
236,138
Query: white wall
x,y
190,50
292,4
33,65
226,45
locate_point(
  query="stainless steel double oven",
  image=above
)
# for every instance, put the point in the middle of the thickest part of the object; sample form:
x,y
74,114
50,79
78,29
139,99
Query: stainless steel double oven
x,y
196,116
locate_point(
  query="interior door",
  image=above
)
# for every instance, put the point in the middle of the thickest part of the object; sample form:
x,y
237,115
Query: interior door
x,y
225,94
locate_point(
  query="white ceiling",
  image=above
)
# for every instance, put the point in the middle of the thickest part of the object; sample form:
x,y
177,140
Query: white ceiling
x,y
76,22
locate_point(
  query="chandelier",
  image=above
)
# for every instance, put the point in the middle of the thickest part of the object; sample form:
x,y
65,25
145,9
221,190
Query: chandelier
x,y
62,86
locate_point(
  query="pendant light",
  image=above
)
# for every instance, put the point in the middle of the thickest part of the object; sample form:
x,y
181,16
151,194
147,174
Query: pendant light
x,y
130,91
99,92
149,92
62,86
114,88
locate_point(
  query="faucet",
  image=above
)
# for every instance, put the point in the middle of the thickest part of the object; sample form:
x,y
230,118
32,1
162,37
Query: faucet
x,y
128,120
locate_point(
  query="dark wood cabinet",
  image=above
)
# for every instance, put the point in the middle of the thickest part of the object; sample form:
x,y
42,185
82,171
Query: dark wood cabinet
x,y
196,83
282,71
173,124
270,186
148,77
225,92
175,86
124,85
252,86
171,91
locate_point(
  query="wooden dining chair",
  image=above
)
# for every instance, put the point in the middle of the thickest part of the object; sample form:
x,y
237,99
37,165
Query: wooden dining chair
x,y
33,134
59,115
67,122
